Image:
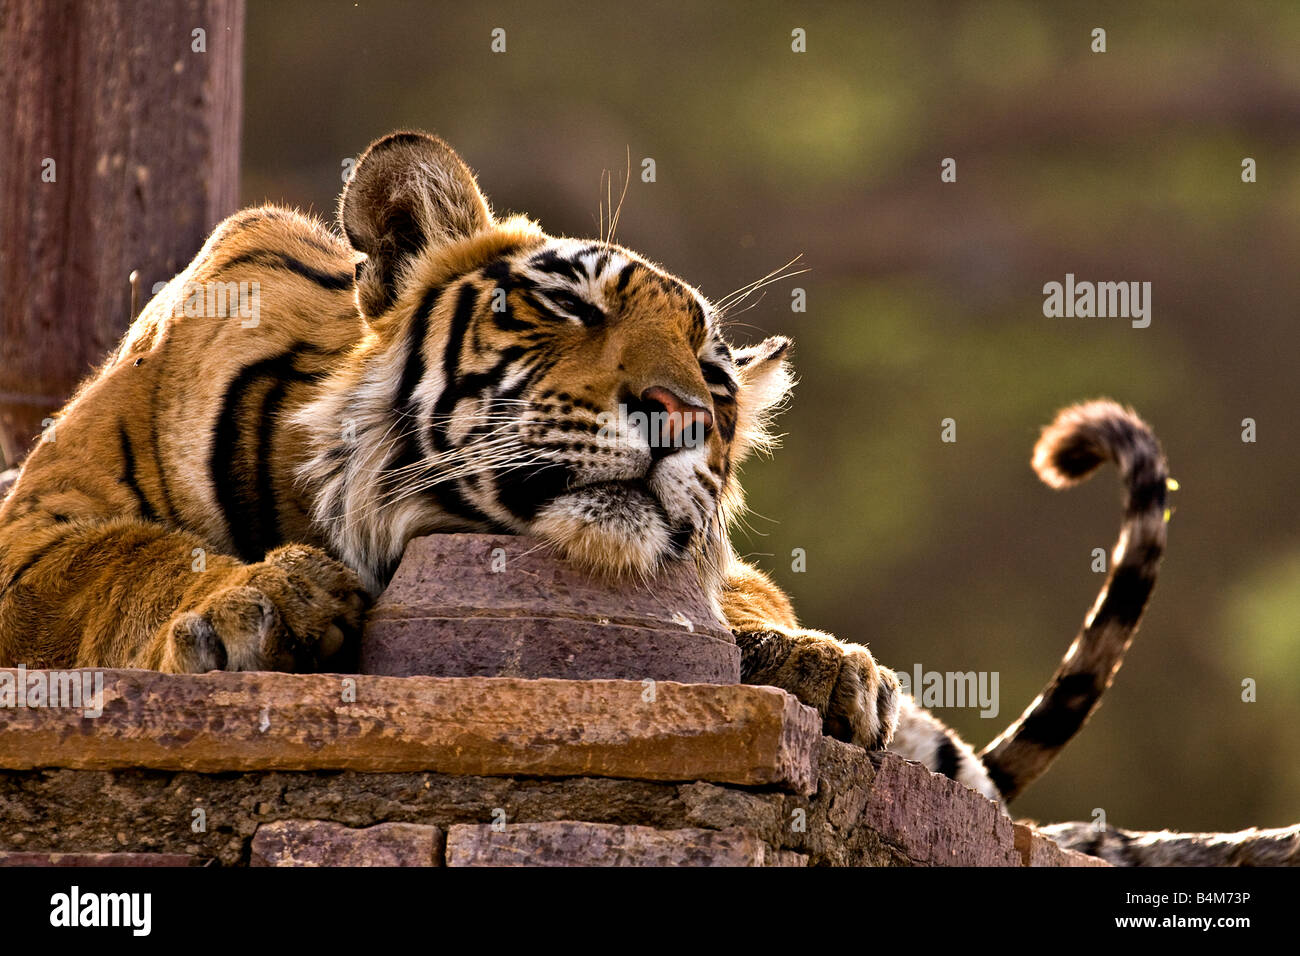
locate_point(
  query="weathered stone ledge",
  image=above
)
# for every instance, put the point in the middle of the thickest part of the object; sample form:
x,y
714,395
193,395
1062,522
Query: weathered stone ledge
x,y
482,726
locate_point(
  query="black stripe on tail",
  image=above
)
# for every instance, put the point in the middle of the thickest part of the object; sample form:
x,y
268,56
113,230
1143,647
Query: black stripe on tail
x,y
1080,439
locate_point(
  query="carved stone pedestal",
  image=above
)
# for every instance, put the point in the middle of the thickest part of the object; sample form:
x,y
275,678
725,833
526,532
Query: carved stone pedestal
x,y
468,605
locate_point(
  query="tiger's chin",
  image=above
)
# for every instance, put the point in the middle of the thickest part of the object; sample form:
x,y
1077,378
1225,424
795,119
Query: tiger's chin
x,y
613,528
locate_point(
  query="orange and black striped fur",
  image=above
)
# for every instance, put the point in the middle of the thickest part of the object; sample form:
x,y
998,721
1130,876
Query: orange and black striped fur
x,y
228,490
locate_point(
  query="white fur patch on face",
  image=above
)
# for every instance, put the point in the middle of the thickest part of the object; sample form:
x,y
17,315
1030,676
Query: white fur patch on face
x,y
676,482
614,528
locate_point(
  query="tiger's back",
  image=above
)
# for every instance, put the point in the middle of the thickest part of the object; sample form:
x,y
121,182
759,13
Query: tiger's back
x,y
186,424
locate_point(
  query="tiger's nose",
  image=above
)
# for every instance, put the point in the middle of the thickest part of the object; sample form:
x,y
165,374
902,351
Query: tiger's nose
x,y
674,422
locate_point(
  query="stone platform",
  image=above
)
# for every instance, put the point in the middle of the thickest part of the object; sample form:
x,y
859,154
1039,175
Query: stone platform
x,y
281,769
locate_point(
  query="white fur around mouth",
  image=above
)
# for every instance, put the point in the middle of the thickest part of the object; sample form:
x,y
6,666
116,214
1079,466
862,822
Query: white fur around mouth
x,y
615,527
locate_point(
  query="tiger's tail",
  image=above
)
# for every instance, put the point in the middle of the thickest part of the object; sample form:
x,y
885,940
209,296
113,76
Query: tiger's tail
x,y
1070,449
1253,847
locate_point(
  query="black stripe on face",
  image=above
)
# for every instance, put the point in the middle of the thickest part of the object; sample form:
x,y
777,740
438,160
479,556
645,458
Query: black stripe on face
x,y
523,492
413,370
128,477
506,321
242,450
466,303
468,386
625,276
725,417
574,306
401,468
265,258
542,310
699,325
551,262
503,283
412,374
717,375
534,366
447,493
476,383
498,271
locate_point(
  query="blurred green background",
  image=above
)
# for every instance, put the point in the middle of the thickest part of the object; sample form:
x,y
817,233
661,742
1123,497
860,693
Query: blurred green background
x,y
925,302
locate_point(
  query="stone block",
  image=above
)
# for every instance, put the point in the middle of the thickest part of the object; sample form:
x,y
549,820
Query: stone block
x,y
321,843
568,843
936,821
472,605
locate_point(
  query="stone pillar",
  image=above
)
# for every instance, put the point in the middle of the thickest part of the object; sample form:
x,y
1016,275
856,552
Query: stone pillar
x,y
119,151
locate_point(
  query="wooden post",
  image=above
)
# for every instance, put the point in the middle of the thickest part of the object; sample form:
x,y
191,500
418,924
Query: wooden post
x,y
119,151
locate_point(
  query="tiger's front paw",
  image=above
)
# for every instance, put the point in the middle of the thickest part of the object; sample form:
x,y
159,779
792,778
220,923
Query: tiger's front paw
x,y
299,610
857,699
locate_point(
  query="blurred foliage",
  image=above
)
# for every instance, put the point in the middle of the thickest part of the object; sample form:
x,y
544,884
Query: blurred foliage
x,y
925,303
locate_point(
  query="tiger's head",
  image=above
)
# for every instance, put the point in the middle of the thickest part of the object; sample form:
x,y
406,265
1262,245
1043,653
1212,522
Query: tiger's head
x,y
513,381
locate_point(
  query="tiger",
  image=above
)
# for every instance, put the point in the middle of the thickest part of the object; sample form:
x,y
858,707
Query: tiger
x,y
429,367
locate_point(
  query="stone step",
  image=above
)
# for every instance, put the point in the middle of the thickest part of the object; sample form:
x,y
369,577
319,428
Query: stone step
x,y
321,843
216,722
570,843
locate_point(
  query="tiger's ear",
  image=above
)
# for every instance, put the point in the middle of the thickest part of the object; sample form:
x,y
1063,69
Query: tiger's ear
x,y
765,383
408,192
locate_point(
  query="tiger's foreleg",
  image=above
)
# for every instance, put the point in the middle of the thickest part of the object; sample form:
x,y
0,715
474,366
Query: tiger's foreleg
x,y
130,593
857,699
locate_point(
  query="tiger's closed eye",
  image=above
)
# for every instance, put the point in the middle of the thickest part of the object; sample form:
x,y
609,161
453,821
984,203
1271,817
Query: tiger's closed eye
x,y
572,305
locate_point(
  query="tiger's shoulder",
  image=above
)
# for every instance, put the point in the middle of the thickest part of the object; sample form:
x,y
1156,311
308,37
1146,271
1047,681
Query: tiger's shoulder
x,y
265,306
261,263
